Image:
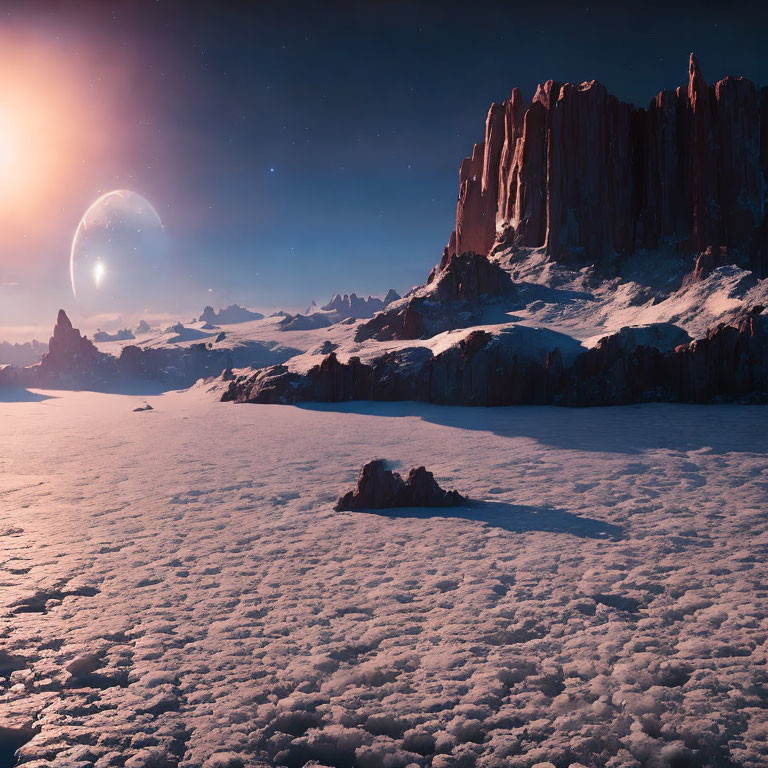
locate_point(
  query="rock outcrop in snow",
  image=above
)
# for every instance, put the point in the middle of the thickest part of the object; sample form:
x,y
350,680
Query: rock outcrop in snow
x,y
232,314
593,179
535,366
449,299
731,361
348,307
122,335
352,305
381,488
301,322
71,356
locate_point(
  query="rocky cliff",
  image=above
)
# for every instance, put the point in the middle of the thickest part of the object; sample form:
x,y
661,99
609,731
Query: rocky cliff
x,y
526,366
593,179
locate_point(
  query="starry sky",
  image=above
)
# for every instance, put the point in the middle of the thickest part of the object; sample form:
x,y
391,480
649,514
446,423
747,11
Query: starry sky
x,y
297,149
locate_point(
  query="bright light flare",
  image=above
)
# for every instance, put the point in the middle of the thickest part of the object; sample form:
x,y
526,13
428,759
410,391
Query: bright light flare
x,y
98,273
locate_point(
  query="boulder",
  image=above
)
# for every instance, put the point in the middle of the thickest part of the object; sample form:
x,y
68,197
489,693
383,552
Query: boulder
x,y
381,488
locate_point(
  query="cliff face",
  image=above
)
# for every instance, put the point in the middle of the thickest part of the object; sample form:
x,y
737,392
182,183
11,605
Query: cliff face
x,y
592,178
731,362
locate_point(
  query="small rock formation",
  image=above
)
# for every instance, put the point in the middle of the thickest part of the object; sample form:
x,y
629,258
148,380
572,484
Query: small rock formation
x,y
354,306
326,347
468,277
381,488
145,407
121,335
304,322
709,260
182,334
142,327
234,313
593,179
449,300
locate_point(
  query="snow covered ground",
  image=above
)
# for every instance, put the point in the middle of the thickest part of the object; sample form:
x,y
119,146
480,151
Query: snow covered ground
x,y
176,587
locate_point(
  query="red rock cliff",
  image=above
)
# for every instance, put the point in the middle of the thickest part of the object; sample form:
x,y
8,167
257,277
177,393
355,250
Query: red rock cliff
x,y
593,178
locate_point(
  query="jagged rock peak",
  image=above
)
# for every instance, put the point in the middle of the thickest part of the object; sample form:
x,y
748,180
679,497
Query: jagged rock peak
x,y
695,79
63,324
67,347
65,336
593,179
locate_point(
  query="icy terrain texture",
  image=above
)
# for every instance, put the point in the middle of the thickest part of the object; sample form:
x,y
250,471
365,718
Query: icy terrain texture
x,y
177,589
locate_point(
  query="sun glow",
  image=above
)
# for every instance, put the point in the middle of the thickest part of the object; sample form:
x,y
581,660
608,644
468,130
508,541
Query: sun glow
x,y
7,149
53,133
36,142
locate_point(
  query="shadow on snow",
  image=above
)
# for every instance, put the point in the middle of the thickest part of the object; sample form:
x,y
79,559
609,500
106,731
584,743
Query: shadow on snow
x,y
627,429
21,395
510,517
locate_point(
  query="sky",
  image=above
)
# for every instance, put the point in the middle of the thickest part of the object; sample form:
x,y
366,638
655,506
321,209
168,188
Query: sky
x,y
291,149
